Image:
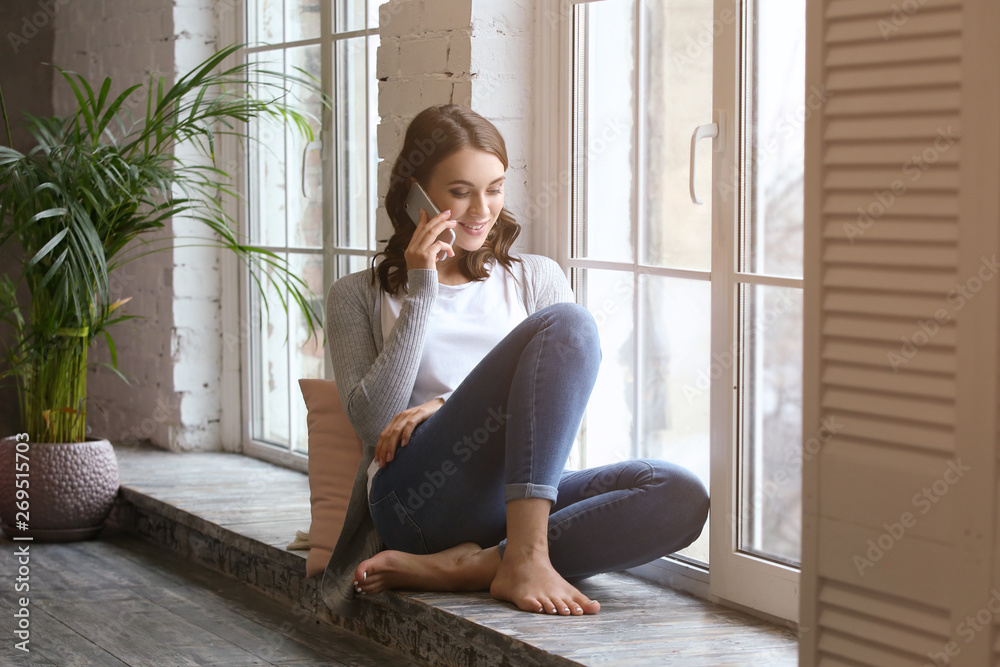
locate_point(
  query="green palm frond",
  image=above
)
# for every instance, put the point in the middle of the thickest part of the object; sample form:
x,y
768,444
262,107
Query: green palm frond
x,y
97,183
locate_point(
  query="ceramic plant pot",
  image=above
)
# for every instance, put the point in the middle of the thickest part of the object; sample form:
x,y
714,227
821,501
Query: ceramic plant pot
x,y
70,490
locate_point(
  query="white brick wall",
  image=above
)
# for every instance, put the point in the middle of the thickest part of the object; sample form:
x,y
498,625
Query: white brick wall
x,y
173,355
196,343
502,43
126,41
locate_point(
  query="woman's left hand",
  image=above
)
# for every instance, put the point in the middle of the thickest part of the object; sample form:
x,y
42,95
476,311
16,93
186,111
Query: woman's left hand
x,y
397,433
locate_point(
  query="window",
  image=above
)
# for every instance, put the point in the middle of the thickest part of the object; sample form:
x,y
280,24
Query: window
x,y
311,203
699,307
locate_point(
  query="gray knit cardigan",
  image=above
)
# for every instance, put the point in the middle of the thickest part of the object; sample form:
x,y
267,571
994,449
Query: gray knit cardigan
x,y
375,383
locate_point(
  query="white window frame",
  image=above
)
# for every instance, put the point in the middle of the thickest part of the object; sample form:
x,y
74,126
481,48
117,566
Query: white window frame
x,y
761,586
237,400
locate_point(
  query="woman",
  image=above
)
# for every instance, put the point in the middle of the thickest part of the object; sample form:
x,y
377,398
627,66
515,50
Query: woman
x,y
467,379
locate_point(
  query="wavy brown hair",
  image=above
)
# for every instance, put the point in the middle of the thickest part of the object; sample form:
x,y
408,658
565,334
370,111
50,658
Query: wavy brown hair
x,y
436,133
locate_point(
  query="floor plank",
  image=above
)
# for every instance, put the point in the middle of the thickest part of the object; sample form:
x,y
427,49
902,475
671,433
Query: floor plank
x,y
120,601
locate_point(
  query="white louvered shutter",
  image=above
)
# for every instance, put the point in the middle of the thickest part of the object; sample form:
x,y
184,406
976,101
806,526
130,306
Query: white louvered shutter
x,y
900,523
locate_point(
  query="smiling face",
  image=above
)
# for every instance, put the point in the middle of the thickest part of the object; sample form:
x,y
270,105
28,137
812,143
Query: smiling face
x,y
470,183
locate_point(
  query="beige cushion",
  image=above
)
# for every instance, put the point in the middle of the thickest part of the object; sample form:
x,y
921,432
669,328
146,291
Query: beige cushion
x,y
334,457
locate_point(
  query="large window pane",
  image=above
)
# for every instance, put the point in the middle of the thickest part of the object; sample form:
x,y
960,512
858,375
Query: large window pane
x,y
678,98
265,21
301,20
349,15
353,139
608,426
604,203
773,243
268,159
771,422
269,364
308,355
305,200
675,369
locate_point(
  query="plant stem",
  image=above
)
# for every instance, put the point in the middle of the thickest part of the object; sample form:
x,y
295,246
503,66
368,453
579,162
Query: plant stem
x,y
6,122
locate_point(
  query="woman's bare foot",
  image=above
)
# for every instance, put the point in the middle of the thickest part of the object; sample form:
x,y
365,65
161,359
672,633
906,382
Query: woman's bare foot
x,y
527,578
465,567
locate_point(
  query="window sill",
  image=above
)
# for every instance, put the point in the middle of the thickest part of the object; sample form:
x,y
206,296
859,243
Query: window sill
x,y
236,514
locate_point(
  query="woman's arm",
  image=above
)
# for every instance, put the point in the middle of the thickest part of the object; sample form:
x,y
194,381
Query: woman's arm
x,y
546,282
376,386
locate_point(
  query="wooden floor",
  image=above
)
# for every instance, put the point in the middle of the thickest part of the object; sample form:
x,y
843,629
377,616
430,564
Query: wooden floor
x,y
121,601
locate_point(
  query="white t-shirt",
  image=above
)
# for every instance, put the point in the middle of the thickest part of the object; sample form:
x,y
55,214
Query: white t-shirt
x,y
467,321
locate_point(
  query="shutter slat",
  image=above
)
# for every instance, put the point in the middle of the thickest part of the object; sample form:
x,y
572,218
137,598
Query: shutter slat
x,y
849,9
936,231
876,304
863,652
904,408
908,156
884,203
936,439
892,255
921,127
929,359
885,330
879,633
893,102
913,176
917,25
899,383
901,610
927,282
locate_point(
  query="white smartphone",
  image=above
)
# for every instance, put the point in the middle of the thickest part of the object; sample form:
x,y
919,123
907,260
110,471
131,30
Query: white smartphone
x,y
417,199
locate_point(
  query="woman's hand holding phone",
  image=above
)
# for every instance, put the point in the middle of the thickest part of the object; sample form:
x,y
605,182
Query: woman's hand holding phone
x,y
425,245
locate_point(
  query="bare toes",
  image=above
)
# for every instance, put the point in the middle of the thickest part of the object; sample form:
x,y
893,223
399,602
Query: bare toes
x,y
529,604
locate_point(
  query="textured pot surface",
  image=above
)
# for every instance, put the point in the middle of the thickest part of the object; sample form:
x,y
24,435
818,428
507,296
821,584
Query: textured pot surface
x,y
71,486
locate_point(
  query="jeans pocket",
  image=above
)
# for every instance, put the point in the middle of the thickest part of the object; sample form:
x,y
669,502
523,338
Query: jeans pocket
x,y
396,527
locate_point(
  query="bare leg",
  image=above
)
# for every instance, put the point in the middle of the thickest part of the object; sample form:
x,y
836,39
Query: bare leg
x,y
526,576
465,567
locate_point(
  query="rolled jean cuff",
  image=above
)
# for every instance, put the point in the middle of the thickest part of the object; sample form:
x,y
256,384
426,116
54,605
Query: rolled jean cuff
x,y
529,490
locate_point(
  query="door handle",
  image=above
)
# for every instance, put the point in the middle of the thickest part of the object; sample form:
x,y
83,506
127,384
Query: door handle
x,y
709,131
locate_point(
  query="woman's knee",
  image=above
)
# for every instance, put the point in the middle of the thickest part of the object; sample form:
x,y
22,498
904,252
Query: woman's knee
x,y
682,492
576,326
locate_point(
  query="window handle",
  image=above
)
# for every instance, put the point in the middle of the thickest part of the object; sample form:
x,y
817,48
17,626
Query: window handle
x,y
315,144
709,131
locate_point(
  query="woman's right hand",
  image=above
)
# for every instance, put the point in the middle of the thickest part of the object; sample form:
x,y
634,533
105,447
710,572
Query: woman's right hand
x,y
424,245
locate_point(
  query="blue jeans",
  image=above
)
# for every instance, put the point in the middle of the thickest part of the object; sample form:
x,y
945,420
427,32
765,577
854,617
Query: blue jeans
x,y
506,433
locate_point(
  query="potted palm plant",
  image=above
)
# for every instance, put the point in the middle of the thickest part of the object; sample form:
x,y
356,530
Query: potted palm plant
x,y
95,187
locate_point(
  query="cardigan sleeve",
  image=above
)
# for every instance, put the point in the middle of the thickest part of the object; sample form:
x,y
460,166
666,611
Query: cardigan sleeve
x,y
546,283
376,385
